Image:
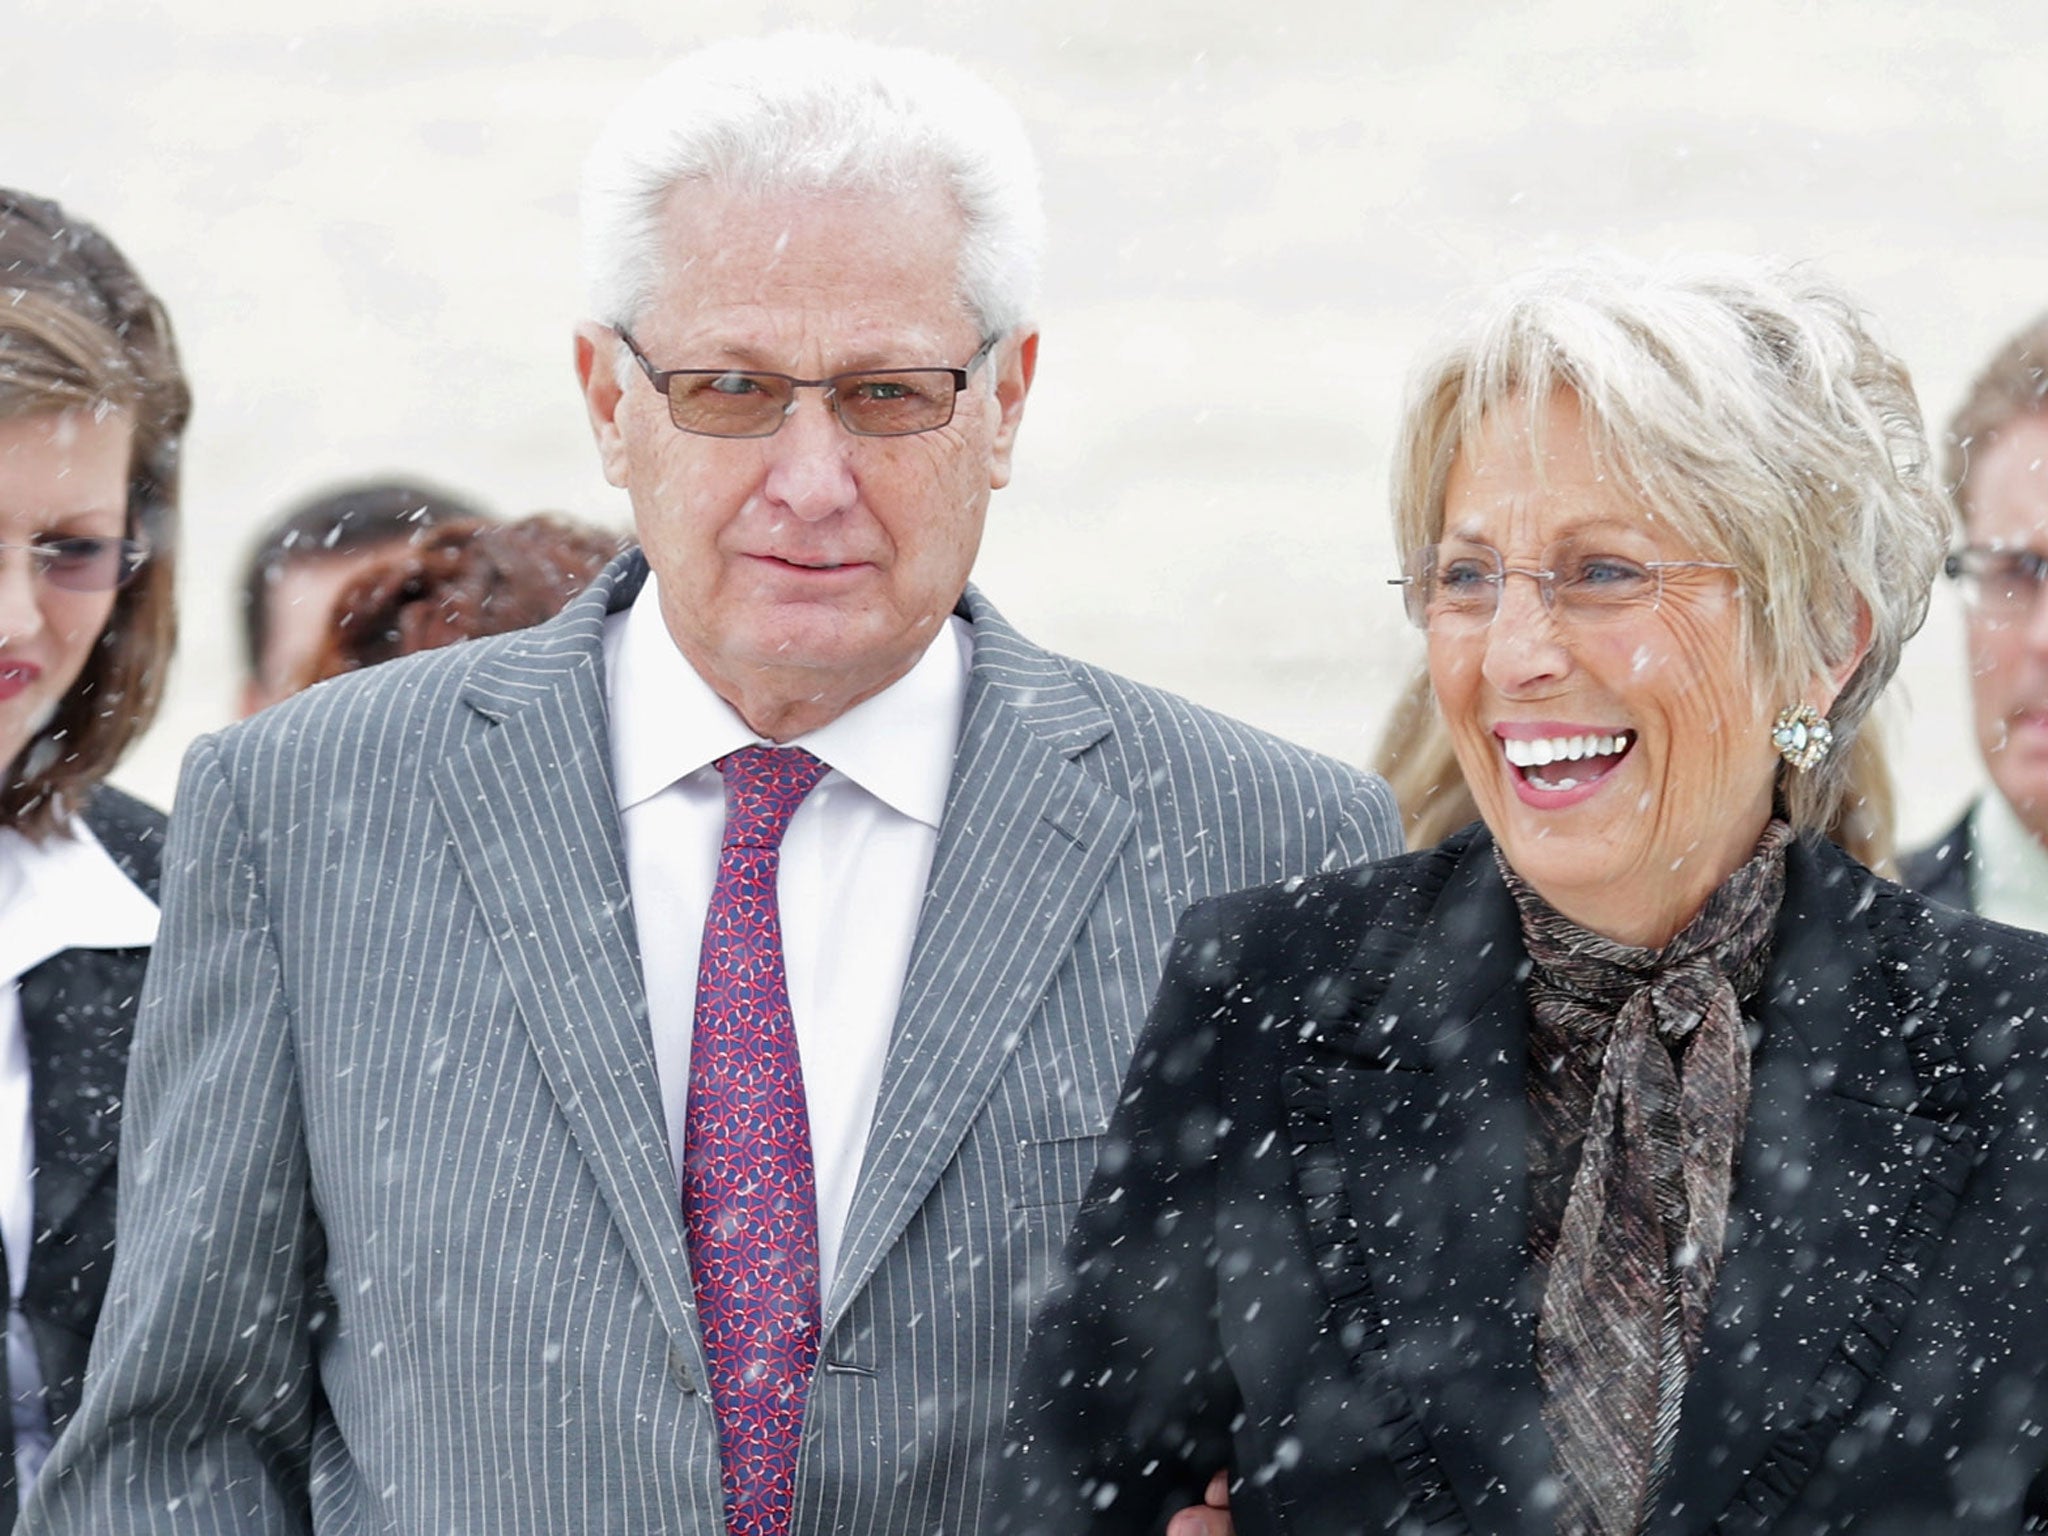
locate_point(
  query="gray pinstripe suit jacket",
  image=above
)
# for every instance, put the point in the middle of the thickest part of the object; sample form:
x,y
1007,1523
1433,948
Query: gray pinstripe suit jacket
x,y
400,1245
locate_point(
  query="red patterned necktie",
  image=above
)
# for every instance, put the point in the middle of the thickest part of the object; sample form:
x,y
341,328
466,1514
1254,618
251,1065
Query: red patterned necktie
x,y
750,1200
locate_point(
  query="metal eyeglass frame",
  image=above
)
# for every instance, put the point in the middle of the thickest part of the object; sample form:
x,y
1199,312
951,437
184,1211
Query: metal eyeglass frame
x,y
1958,565
659,378
1412,598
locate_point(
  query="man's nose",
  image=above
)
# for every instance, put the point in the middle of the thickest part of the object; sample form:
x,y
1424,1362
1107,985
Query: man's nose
x,y
811,472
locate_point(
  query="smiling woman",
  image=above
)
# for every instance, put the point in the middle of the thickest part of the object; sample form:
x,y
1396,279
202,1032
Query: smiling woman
x,y
1634,1161
93,407
1619,750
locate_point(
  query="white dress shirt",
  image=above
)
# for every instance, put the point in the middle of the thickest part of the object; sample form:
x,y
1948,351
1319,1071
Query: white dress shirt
x,y
854,864
2009,867
64,893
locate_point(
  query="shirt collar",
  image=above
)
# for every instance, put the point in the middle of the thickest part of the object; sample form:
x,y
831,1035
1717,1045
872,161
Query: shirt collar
x,y
2009,880
667,722
65,892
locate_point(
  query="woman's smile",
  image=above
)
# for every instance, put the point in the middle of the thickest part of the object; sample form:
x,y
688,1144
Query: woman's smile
x,y
1551,763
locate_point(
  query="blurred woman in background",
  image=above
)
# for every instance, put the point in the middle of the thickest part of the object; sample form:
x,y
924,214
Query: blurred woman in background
x,y
93,407
460,580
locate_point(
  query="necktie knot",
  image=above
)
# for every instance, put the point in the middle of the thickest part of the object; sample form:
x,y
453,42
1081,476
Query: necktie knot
x,y
763,788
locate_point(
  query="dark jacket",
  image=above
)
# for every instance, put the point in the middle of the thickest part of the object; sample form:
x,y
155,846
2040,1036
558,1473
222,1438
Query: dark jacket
x,y
1304,1251
78,1009
1941,870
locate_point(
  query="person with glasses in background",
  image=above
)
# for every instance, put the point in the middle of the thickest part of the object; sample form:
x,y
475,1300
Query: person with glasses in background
x,y
93,407
1995,859
635,1074
1634,1161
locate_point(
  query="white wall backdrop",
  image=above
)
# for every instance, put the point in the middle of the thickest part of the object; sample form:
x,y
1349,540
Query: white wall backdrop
x,y
361,216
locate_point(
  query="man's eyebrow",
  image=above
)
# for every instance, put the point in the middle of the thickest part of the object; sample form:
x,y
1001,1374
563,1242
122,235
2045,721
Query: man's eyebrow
x,y
760,357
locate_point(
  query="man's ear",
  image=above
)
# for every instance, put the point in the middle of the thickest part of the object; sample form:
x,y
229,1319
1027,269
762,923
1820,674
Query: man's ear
x,y
597,373
1016,364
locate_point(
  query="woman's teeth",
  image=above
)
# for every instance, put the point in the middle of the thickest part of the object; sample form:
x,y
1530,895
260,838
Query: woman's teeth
x,y
1544,750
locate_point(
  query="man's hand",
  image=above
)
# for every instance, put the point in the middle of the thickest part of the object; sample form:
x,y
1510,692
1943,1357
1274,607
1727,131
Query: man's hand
x,y
1211,1517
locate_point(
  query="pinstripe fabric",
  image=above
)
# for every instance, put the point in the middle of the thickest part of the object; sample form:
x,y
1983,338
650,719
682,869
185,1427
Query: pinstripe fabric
x,y
401,1249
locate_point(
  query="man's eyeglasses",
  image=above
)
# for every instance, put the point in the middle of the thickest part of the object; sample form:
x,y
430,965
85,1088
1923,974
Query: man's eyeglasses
x,y
1999,584
84,564
874,402
1460,587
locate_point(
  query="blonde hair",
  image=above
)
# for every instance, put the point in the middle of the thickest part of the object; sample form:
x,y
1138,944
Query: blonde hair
x,y
1748,405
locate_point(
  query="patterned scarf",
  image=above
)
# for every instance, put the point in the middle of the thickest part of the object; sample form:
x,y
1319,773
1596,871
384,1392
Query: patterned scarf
x,y
1640,1085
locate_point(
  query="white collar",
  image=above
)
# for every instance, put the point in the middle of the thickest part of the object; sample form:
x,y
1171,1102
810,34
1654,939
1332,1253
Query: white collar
x,y
666,722
65,893
2009,874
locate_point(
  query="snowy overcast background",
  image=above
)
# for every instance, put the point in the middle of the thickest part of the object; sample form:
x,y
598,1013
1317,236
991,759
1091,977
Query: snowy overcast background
x,y
362,219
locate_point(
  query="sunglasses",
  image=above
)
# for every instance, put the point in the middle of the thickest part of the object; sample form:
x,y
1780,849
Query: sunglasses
x,y
84,564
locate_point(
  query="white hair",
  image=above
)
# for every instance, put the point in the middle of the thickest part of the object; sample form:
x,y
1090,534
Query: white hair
x,y
801,112
1749,405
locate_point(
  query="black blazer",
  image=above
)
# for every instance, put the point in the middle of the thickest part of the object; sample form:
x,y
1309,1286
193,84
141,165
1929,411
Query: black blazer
x,y
78,1009
1941,870
1304,1256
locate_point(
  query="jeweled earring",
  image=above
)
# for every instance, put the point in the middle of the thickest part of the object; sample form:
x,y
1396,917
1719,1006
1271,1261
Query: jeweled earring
x,y
1802,735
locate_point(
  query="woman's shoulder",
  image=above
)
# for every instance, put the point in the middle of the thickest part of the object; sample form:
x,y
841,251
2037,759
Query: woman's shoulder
x,y
1316,921
131,831
1402,879
1979,973
1968,990
1949,947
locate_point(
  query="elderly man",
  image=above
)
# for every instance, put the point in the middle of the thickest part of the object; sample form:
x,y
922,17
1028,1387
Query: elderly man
x,y
633,1076
1995,860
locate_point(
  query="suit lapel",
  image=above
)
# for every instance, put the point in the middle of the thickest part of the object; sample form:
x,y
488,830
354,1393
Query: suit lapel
x,y
530,804
77,1009
1428,1103
1027,841
1826,1199
1942,870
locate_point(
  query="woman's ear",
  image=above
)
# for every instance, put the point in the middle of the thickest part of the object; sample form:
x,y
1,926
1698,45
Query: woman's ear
x,y
1828,685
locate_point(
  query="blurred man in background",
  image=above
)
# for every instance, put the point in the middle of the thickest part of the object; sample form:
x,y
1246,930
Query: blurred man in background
x,y
1995,860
